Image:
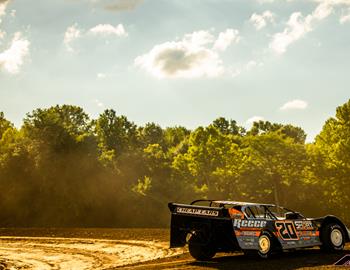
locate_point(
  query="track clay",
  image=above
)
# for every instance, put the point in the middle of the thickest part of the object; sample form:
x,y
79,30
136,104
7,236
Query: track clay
x,y
44,253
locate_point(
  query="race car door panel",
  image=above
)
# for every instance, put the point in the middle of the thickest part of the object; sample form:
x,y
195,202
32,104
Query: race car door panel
x,y
297,233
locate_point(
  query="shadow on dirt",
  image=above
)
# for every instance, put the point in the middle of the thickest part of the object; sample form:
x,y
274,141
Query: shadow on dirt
x,y
288,260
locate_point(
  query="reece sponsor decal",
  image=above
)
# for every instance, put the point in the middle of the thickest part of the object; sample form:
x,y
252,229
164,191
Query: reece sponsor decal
x,y
194,211
238,223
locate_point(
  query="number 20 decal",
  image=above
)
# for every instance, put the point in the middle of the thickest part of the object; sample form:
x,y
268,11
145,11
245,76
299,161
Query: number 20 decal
x,y
286,230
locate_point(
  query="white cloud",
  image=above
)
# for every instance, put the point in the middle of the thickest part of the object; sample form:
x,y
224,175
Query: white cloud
x,y
99,103
226,38
260,21
345,17
322,11
249,66
101,75
199,38
324,8
190,57
253,64
72,33
298,25
107,29
253,119
296,104
12,59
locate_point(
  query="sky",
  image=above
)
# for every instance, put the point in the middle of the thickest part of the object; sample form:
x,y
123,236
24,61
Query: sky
x,y
177,62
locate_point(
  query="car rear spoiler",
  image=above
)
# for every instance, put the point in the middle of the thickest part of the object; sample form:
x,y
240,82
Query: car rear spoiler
x,y
186,218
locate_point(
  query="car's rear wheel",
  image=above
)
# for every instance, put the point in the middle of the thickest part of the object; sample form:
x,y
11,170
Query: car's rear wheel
x,y
332,237
200,248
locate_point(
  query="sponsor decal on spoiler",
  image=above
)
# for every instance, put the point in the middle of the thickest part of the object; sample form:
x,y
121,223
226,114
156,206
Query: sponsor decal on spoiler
x,y
199,212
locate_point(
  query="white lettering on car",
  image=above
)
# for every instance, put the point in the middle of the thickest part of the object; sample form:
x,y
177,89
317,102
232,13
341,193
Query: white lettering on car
x,y
199,212
238,223
303,225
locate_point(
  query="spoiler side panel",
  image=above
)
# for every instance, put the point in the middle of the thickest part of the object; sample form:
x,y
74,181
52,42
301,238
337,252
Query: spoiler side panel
x,y
213,222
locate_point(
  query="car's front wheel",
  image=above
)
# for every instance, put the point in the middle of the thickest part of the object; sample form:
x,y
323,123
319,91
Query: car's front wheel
x,y
333,237
200,248
265,245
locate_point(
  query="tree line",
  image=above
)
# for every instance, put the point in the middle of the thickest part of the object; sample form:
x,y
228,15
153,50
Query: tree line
x,y
61,168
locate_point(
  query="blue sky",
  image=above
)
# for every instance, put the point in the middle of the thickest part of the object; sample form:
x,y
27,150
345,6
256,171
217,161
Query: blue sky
x,y
178,62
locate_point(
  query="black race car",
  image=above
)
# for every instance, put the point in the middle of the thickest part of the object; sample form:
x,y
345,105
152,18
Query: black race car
x,y
210,226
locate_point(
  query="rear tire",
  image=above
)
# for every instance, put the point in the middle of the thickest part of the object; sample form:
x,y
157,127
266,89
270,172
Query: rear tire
x,y
200,248
332,237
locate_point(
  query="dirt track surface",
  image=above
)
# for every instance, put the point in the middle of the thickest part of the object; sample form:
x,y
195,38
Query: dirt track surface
x,y
73,249
130,249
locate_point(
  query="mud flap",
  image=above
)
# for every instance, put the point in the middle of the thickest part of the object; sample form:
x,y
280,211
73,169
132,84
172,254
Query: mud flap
x,y
177,233
181,226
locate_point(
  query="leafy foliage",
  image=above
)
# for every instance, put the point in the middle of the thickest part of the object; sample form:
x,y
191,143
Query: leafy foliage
x,y
62,168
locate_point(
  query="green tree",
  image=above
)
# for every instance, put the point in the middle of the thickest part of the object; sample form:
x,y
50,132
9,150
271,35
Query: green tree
x,y
115,132
228,126
275,168
151,133
60,141
210,166
333,145
287,131
4,124
64,169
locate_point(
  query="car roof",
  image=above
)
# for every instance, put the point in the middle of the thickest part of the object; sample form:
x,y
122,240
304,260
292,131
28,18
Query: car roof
x,y
242,203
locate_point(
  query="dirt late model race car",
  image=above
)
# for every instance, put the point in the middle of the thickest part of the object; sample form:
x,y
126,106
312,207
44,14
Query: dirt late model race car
x,y
210,226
